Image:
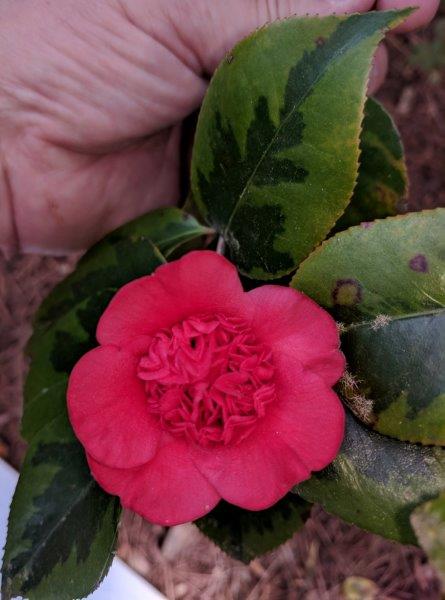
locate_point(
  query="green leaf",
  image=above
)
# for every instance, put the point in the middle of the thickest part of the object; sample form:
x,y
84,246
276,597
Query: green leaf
x,y
428,521
400,367
167,228
66,322
375,482
387,283
62,526
245,534
382,179
277,141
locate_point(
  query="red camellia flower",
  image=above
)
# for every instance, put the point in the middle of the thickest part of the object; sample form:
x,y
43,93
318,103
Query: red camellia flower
x,y
201,391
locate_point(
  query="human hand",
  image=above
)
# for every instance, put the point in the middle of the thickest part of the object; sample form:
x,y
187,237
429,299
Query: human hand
x,y
92,97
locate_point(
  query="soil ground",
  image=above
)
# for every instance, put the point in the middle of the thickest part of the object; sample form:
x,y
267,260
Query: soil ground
x,y
319,562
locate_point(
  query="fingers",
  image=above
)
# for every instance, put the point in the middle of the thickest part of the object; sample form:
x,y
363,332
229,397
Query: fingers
x,y
270,10
213,30
379,69
421,17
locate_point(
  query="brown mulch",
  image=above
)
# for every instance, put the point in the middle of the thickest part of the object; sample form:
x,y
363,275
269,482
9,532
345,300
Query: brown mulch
x,y
314,565
317,562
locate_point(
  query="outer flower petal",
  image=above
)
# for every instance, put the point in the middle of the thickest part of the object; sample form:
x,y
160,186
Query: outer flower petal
x,y
292,323
309,416
199,282
301,433
169,490
108,409
254,474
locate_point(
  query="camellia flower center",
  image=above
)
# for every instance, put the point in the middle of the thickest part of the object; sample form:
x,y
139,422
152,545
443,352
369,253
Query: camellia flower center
x,y
208,378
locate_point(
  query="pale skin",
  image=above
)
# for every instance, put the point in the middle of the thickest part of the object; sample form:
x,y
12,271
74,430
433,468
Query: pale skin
x,y
92,97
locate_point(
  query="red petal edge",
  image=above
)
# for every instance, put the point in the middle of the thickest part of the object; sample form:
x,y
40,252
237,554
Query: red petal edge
x,y
107,408
302,433
255,474
309,415
169,490
292,323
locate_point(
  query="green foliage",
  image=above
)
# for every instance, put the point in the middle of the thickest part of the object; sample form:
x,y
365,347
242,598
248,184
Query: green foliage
x,y
277,143
375,482
382,178
428,521
245,534
400,366
386,283
62,526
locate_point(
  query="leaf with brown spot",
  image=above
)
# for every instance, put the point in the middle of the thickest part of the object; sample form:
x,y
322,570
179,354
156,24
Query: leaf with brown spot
x,y
386,283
